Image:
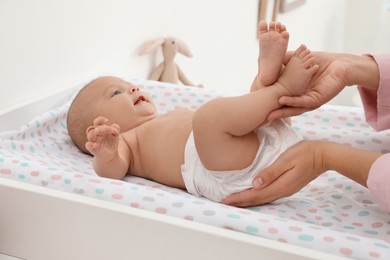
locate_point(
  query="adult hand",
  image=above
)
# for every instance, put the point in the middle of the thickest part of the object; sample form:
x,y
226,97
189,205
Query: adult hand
x,y
331,78
294,168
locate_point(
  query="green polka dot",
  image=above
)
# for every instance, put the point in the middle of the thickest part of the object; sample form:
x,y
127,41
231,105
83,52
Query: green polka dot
x,y
1,160
348,187
24,164
32,149
22,176
337,197
306,237
67,181
328,210
349,227
252,229
371,232
382,245
99,191
326,120
363,213
233,216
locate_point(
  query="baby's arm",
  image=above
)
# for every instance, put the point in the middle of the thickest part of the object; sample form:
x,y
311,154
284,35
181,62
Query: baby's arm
x,y
109,153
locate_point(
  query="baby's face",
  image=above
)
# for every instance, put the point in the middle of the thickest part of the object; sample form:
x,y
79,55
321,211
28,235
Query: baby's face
x,y
120,102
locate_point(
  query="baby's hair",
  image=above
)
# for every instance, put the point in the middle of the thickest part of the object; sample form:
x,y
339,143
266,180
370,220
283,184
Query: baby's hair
x,y
79,118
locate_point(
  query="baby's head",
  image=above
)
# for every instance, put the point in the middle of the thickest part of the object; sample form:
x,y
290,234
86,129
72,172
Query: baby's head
x,y
113,98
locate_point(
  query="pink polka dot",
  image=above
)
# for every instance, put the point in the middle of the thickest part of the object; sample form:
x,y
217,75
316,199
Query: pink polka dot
x,y
273,230
311,132
228,228
167,94
117,196
342,118
5,171
375,254
116,183
318,217
264,220
134,205
328,239
34,173
312,210
191,218
56,177
283,240
346,251
357,224
377,225
295,229
246,212
161,210
94,181
78,175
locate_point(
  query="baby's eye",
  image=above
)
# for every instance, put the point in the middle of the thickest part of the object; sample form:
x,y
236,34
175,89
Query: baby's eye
x,y
117,92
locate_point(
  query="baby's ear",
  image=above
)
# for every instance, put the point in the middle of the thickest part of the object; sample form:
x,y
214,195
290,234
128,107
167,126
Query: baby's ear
x,y
89,129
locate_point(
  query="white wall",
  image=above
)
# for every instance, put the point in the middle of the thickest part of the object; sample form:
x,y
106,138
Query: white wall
x,y
48,45
53,44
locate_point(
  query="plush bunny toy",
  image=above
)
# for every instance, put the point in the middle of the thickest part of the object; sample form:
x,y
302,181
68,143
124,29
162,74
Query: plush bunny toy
x,y
168,71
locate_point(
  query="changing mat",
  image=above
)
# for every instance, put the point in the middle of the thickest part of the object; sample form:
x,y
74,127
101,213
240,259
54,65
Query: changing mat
x,y
331,214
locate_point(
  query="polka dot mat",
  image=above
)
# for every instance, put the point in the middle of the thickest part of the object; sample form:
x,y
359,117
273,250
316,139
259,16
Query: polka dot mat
x,y
331,214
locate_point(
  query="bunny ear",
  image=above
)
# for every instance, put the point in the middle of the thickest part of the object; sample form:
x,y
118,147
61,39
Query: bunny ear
x,y
150,46
183,48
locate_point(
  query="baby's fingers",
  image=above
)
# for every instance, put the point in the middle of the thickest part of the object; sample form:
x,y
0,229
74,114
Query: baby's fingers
x,y
100,121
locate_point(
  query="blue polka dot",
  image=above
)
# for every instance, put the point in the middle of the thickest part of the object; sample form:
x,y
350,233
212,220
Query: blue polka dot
x,y
306,237
363,213
371,232
382,245
252,229
233,216
99,191
24,164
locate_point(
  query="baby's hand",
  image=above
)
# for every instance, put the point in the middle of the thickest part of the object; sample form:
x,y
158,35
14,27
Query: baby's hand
x,y
103,139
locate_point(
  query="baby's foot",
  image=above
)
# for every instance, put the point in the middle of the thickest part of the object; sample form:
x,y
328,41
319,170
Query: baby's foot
x,y
273,41
298,72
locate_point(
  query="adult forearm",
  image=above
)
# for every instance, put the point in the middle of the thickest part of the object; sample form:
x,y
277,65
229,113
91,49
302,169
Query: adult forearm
x,y
349,161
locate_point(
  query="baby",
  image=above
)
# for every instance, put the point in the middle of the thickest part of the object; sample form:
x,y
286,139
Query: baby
x,y
211,152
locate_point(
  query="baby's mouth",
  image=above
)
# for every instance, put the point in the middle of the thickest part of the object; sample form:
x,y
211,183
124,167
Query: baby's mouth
x,y
139,99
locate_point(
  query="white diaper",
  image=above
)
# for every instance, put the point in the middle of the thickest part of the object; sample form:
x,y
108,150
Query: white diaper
x,y
275,138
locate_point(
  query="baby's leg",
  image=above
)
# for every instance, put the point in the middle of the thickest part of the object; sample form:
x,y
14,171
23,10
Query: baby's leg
x,y
273,42
298,72
224,127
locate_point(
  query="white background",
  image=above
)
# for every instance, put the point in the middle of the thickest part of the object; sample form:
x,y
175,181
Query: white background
x,y
49,45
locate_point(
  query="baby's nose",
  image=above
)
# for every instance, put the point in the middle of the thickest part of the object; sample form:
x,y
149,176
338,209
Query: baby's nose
x,y
133,90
